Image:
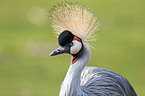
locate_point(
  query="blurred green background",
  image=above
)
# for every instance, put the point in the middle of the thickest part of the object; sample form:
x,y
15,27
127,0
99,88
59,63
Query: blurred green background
x,y
26,41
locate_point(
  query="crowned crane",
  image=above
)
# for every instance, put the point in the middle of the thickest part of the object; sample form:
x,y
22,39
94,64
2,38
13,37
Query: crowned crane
x,y
75,26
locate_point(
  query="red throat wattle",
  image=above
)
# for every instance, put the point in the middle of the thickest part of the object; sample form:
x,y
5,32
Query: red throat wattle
x,y
74,59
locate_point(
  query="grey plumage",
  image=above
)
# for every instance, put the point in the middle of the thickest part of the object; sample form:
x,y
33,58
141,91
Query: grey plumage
x,y
103,82
93,81
75,26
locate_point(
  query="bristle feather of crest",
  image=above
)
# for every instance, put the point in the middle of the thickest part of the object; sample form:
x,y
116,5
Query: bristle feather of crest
x,y
75,18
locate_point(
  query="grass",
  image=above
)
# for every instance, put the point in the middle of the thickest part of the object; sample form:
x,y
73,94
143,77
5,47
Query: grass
x,y
25,66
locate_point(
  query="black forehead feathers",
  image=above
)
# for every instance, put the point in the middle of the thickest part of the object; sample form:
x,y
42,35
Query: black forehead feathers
x,y
65,37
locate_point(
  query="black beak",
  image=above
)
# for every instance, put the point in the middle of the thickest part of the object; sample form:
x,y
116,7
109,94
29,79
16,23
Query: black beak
x,y
60,50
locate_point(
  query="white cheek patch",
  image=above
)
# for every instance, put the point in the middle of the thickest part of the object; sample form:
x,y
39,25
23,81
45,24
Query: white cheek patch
x,y
76,47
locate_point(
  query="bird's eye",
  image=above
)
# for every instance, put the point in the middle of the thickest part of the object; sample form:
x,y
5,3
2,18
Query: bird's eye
x,y
71,44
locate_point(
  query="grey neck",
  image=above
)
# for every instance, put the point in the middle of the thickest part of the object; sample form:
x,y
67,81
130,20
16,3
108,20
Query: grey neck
x,y
71,84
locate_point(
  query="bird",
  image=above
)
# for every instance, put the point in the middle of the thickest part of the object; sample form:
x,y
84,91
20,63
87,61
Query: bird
x,y
75,25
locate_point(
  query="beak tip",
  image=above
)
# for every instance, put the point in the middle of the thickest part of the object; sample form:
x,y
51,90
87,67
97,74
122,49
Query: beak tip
x,y
51,54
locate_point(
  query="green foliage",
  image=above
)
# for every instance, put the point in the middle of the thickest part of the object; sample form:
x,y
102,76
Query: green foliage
x,y
26,41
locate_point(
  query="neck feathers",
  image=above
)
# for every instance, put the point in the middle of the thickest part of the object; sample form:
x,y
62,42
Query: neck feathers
x,y
71,84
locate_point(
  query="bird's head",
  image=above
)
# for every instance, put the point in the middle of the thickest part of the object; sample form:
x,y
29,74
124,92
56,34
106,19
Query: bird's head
x,y
69,44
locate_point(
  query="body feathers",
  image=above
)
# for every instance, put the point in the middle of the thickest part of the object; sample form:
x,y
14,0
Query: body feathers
x,y
70,21
93,81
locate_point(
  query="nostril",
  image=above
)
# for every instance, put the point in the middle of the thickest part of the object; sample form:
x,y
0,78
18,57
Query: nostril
x,y
58,50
